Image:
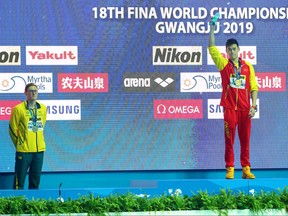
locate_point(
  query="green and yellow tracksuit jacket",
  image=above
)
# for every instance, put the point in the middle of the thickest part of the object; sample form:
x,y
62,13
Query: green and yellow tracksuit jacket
x,y
22,127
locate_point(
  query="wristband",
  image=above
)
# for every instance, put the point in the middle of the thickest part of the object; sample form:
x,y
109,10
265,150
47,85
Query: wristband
x,y
254,107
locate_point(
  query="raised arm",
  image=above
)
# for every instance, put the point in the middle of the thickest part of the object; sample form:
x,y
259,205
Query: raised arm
x,y
211,36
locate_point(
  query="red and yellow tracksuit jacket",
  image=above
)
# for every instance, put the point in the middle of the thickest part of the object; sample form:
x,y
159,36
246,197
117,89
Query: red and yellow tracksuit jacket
x,y
20,128
237,97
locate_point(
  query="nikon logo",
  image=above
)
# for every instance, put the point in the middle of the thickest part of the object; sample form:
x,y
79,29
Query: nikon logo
x,y
10,55
177,55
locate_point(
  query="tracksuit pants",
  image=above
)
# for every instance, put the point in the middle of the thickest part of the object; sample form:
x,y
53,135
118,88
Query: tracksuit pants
x,y
237,119
31,163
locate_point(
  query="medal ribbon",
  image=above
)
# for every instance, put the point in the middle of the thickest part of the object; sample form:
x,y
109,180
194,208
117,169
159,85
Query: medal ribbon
x,y
34,116
237,72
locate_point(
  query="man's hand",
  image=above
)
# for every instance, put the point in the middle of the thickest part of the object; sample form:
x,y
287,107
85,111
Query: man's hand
x,y
252,112
214,19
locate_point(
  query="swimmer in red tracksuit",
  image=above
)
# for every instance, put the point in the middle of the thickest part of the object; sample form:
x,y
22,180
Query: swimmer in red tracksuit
x,y
238,82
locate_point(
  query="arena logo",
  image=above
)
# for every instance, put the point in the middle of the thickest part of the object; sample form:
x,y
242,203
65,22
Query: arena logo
x,y
178,109
149,82
10,55
164,83
177,55
59,110
51,55
215,111
137,82
84,82
16,82
248,53
200,82
6,108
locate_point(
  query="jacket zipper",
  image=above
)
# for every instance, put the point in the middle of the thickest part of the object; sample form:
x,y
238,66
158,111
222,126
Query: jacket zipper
x,y
236,105
36,131
227,91
37,141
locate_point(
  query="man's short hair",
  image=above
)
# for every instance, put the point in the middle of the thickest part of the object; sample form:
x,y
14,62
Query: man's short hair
x,y
29,85
231,41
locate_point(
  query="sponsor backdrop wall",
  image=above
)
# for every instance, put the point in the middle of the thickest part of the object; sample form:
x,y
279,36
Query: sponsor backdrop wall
x,y
129,85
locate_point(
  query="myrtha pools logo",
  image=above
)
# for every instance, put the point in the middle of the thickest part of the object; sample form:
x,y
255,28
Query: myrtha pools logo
x,y
16,82
200,82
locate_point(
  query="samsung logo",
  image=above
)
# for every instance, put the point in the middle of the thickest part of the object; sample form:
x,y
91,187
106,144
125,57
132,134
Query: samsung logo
x,y
58,110
63,109
215,111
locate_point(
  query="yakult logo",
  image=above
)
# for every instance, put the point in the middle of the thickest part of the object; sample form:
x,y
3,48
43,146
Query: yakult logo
x,y
51,55
248,53
178,109
177,55
10,55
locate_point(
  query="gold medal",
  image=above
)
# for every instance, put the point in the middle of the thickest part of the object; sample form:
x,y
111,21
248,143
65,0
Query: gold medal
x,y
238,82
35,129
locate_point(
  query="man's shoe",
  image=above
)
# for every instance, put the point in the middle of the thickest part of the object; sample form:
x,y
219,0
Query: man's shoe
x,y
230,173
246,173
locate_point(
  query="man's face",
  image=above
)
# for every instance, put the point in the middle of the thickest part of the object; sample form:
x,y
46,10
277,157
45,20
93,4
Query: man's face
x,y
233,51
32,93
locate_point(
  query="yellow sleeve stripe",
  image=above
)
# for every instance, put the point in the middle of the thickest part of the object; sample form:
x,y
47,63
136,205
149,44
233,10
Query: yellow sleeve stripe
x,y
253,82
